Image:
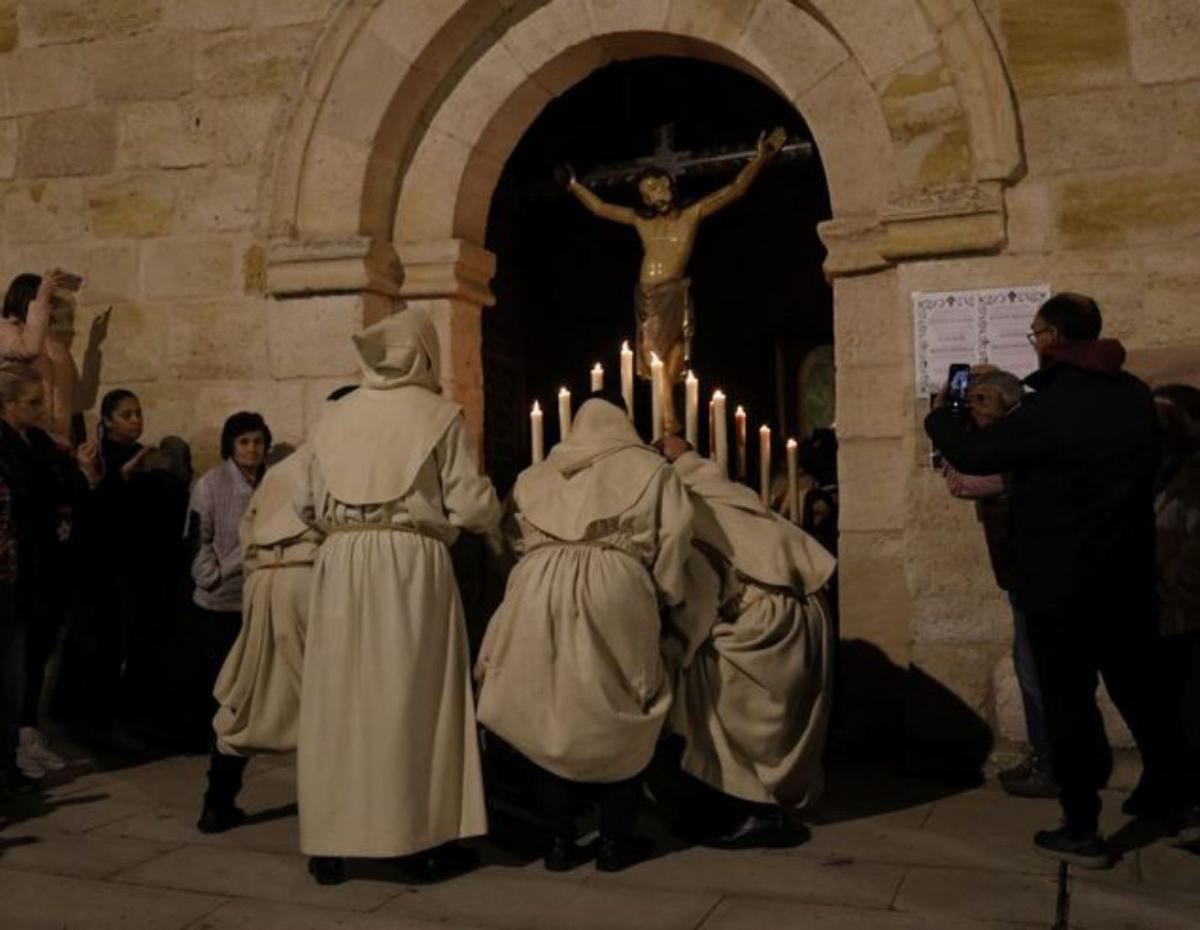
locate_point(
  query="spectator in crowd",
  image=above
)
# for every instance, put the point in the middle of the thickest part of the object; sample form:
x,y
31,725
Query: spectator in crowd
x,y
12,646
46,487
1178,520
1083,452
218,503
992,395
32,330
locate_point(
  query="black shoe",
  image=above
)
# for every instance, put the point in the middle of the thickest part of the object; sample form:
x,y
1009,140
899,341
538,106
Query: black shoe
x,y
327,870
435,865
620,852
1029,780
563,855
768,829
1088,851
219,818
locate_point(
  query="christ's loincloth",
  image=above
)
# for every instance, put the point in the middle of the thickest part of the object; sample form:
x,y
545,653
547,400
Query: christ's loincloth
x,y
664,319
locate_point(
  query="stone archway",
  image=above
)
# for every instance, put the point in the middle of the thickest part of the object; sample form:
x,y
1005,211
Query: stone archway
x,y
410,108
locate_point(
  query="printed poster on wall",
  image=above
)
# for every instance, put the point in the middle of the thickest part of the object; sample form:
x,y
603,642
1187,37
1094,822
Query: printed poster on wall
x,y
987,325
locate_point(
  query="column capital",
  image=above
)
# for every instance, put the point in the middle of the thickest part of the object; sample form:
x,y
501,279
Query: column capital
x,y
453,269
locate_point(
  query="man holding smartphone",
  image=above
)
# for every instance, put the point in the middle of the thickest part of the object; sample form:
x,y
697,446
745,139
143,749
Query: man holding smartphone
x,y
1082,451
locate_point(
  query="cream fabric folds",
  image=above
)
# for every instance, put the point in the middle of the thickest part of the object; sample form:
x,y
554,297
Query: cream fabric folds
x,y
258,689
388,760
754,673
573,676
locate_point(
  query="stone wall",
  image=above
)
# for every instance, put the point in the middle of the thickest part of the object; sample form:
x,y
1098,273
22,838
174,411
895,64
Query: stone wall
x,y
137,139
188,156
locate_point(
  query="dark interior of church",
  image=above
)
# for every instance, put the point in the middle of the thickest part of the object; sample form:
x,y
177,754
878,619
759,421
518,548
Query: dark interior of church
x,y
565,279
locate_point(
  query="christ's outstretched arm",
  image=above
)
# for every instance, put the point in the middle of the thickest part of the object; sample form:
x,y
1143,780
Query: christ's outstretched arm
x,y
768,148
602,209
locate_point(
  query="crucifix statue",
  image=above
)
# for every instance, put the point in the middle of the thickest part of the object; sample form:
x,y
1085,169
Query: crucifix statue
x,y
662,299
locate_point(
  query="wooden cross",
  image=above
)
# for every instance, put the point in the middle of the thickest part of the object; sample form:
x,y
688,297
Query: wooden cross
x,y
682,163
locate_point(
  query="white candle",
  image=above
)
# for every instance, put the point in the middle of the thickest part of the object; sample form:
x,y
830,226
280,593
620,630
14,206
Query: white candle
x,y
627,377
564,413
656,399
793,479
764,463
536,433
597,377
692,415
712,430
722,431
739,437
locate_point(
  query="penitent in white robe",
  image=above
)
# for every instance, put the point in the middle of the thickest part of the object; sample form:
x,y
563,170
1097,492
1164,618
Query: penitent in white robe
x,y
258,689
752,647
388,761
571,665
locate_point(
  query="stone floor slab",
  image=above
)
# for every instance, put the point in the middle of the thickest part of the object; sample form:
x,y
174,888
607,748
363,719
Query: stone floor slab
x,y
77,813
978,895
246,873
1096,906
88,856
30,901
245,914
270,830
751,872
750,914
523,899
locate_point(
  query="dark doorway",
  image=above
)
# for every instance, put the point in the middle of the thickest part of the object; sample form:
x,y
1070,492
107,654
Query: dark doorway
x,y
565,279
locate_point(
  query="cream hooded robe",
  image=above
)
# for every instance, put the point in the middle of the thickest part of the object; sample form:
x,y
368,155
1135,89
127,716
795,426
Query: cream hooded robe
x,y
752,646
258,689
388,760
572,672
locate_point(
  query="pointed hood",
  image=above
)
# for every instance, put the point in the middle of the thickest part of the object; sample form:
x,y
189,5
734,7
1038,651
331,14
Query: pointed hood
x,y
372,443
761,545
599,471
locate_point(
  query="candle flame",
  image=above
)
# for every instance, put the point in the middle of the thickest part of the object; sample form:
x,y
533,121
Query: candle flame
x,y
691,376
764,429
597,367
563,392
718,393
740,412
791,444
625,346
654,359
536,408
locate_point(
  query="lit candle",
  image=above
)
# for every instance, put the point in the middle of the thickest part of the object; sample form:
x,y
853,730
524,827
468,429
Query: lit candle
x,y
722,431
656,397
564,413
597,377
535,433
793,479
692,417
764,463
627,377
739,437
712,430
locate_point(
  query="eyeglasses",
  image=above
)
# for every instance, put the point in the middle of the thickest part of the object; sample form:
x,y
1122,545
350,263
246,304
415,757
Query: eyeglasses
x,y
1034,333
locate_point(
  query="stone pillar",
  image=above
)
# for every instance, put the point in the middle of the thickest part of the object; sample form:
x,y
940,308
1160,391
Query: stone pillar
x,y
449,279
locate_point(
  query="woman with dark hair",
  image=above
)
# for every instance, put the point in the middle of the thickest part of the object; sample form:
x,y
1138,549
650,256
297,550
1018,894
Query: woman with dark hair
x,y
219,501
45,487
28,333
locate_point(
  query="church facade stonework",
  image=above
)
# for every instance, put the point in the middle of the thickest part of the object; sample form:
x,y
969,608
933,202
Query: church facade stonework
x,y
246,182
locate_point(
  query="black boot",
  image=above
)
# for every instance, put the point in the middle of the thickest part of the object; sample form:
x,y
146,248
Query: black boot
x,y
563,855
435,865
327,870
1085,850
760,827
220,813
617,853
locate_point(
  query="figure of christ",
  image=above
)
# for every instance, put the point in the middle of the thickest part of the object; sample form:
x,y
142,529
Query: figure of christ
x,y
662,298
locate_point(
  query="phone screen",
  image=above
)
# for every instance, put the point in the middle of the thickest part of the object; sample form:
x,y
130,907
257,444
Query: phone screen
x,y
958,381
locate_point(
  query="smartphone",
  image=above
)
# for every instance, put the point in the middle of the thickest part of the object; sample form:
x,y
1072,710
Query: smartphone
x,y
957,382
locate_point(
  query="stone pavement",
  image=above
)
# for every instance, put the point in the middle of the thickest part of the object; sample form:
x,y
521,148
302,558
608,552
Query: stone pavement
x,y
117,849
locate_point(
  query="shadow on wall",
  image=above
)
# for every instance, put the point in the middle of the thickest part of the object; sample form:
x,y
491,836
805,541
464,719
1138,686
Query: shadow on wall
x,y
900,715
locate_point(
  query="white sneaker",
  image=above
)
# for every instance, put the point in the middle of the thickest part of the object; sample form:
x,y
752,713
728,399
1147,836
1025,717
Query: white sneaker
x,y
32,745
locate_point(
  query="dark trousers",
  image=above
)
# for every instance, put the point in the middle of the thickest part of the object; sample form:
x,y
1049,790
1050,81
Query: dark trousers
x,y
1072,652
41,639
557,797
12,679
213,634
1031,689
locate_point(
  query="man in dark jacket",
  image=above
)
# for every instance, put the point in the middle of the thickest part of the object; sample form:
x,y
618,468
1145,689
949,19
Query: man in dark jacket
x,y
1082,452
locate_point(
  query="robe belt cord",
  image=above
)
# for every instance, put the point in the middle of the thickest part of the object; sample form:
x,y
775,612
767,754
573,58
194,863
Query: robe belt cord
x,y
383,528
289,563
588,543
